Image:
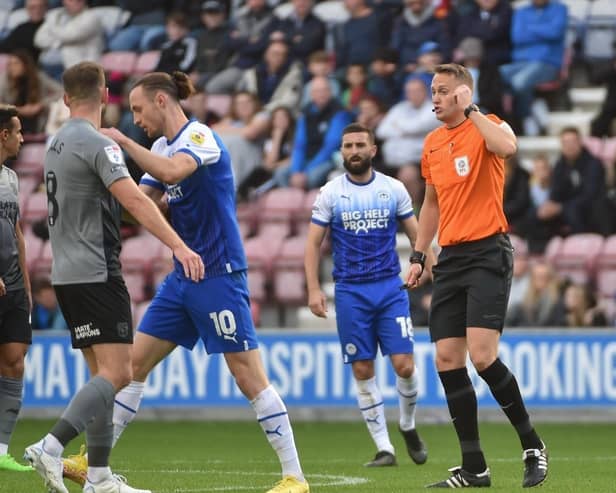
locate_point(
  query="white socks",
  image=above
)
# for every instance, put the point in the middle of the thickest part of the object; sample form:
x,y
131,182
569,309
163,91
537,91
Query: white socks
x,y
407,399
125,408
98,474
274,420
371,406
52,445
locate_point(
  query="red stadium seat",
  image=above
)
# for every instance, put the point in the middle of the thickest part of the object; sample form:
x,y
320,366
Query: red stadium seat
x,y
119,61
257,284
281,206
41,266
261,252
607,256
138,252
578,255
35,207
289,286
552,249
606,282
146,62
30,160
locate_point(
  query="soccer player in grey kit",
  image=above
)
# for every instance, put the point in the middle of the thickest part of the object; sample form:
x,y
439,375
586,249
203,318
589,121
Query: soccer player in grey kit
x,y
15,330
86,177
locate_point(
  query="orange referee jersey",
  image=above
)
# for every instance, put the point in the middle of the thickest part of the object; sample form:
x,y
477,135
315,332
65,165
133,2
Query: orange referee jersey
x,y
468,180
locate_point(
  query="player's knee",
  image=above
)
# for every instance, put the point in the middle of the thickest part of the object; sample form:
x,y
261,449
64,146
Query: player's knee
x,y
12,366
482,359
449,361
404,368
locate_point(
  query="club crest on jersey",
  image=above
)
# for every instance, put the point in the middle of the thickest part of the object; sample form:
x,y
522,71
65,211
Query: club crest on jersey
x,y
350,349
114,154
383,196
197,137
462,165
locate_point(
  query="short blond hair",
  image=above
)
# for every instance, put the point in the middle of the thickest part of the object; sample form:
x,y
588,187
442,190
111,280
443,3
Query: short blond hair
x,y
459,72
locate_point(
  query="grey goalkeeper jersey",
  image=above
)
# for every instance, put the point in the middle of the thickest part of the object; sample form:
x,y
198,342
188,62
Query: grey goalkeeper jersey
x,y
84,218
10,272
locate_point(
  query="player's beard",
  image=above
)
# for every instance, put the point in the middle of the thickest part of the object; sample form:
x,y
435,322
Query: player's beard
x,y
357,168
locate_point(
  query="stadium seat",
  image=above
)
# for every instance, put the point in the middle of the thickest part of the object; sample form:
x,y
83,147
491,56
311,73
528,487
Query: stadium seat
x,y
280,205
257,284
304,213
34,246
247,214
35,208
138,252
261,252
289,287
552,249
28,183
30,160
136,283
219,103
146,62
119,61
577,257
606,282
41,265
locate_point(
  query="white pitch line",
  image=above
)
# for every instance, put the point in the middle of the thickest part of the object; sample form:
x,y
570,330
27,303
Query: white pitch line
x,y
326,479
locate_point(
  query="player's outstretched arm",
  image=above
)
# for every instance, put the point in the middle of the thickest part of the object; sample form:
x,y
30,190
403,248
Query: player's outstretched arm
x,y
145,211
426,230
170,170
312,257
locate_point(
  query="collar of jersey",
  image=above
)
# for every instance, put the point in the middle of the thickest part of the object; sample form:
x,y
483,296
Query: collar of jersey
x,y
169,142
361,184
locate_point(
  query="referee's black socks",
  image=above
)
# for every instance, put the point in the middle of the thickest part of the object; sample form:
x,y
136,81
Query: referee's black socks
x,y
462,403
504,388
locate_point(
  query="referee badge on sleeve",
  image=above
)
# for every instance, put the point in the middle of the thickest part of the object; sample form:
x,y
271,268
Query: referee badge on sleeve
x,y
462,165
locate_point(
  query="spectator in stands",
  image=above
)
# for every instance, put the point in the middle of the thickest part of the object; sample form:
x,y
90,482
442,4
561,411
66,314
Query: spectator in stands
x,y
145,29
540,306
276,81
580,308
247,39
428,56
22,36
179,52
578,186
359,37
243,131
415,26
319,65
384,80
356,87
30,90
520,282
317,140
516,203
197,107
370,115
213,55
276,152
403,131
490,22
488,90
303,31
603,124
46,313
538,36
69,35
537,231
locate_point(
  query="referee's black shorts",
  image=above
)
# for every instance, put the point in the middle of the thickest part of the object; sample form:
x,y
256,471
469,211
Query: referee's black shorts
x,y
96,313
472,281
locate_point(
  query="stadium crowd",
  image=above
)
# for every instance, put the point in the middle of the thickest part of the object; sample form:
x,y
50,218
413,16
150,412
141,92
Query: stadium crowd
x,y
279,82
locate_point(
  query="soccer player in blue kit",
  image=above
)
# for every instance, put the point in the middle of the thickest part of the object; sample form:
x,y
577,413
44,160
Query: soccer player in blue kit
x,y
362,208
190,167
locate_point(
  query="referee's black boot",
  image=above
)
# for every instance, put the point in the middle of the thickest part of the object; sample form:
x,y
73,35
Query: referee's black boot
x,y
463,479
535,466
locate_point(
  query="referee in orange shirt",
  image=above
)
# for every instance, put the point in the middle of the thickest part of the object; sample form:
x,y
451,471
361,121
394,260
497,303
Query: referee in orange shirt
x,y
463,164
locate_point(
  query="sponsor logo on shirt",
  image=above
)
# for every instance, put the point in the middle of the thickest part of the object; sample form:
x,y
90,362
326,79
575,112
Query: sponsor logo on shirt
x,y
365,220
462,165
197,137
114,154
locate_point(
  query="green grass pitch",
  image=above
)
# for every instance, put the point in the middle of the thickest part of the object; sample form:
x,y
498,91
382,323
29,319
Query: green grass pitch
x,y
183,457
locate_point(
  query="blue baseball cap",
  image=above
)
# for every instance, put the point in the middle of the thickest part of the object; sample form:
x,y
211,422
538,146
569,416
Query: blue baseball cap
x,y
428,47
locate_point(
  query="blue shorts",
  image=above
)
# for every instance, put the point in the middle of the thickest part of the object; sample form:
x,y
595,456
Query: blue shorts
x,y
217,310
373,314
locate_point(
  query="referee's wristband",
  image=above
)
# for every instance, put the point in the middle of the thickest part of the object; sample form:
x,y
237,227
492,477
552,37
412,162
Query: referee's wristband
x,y
418,257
